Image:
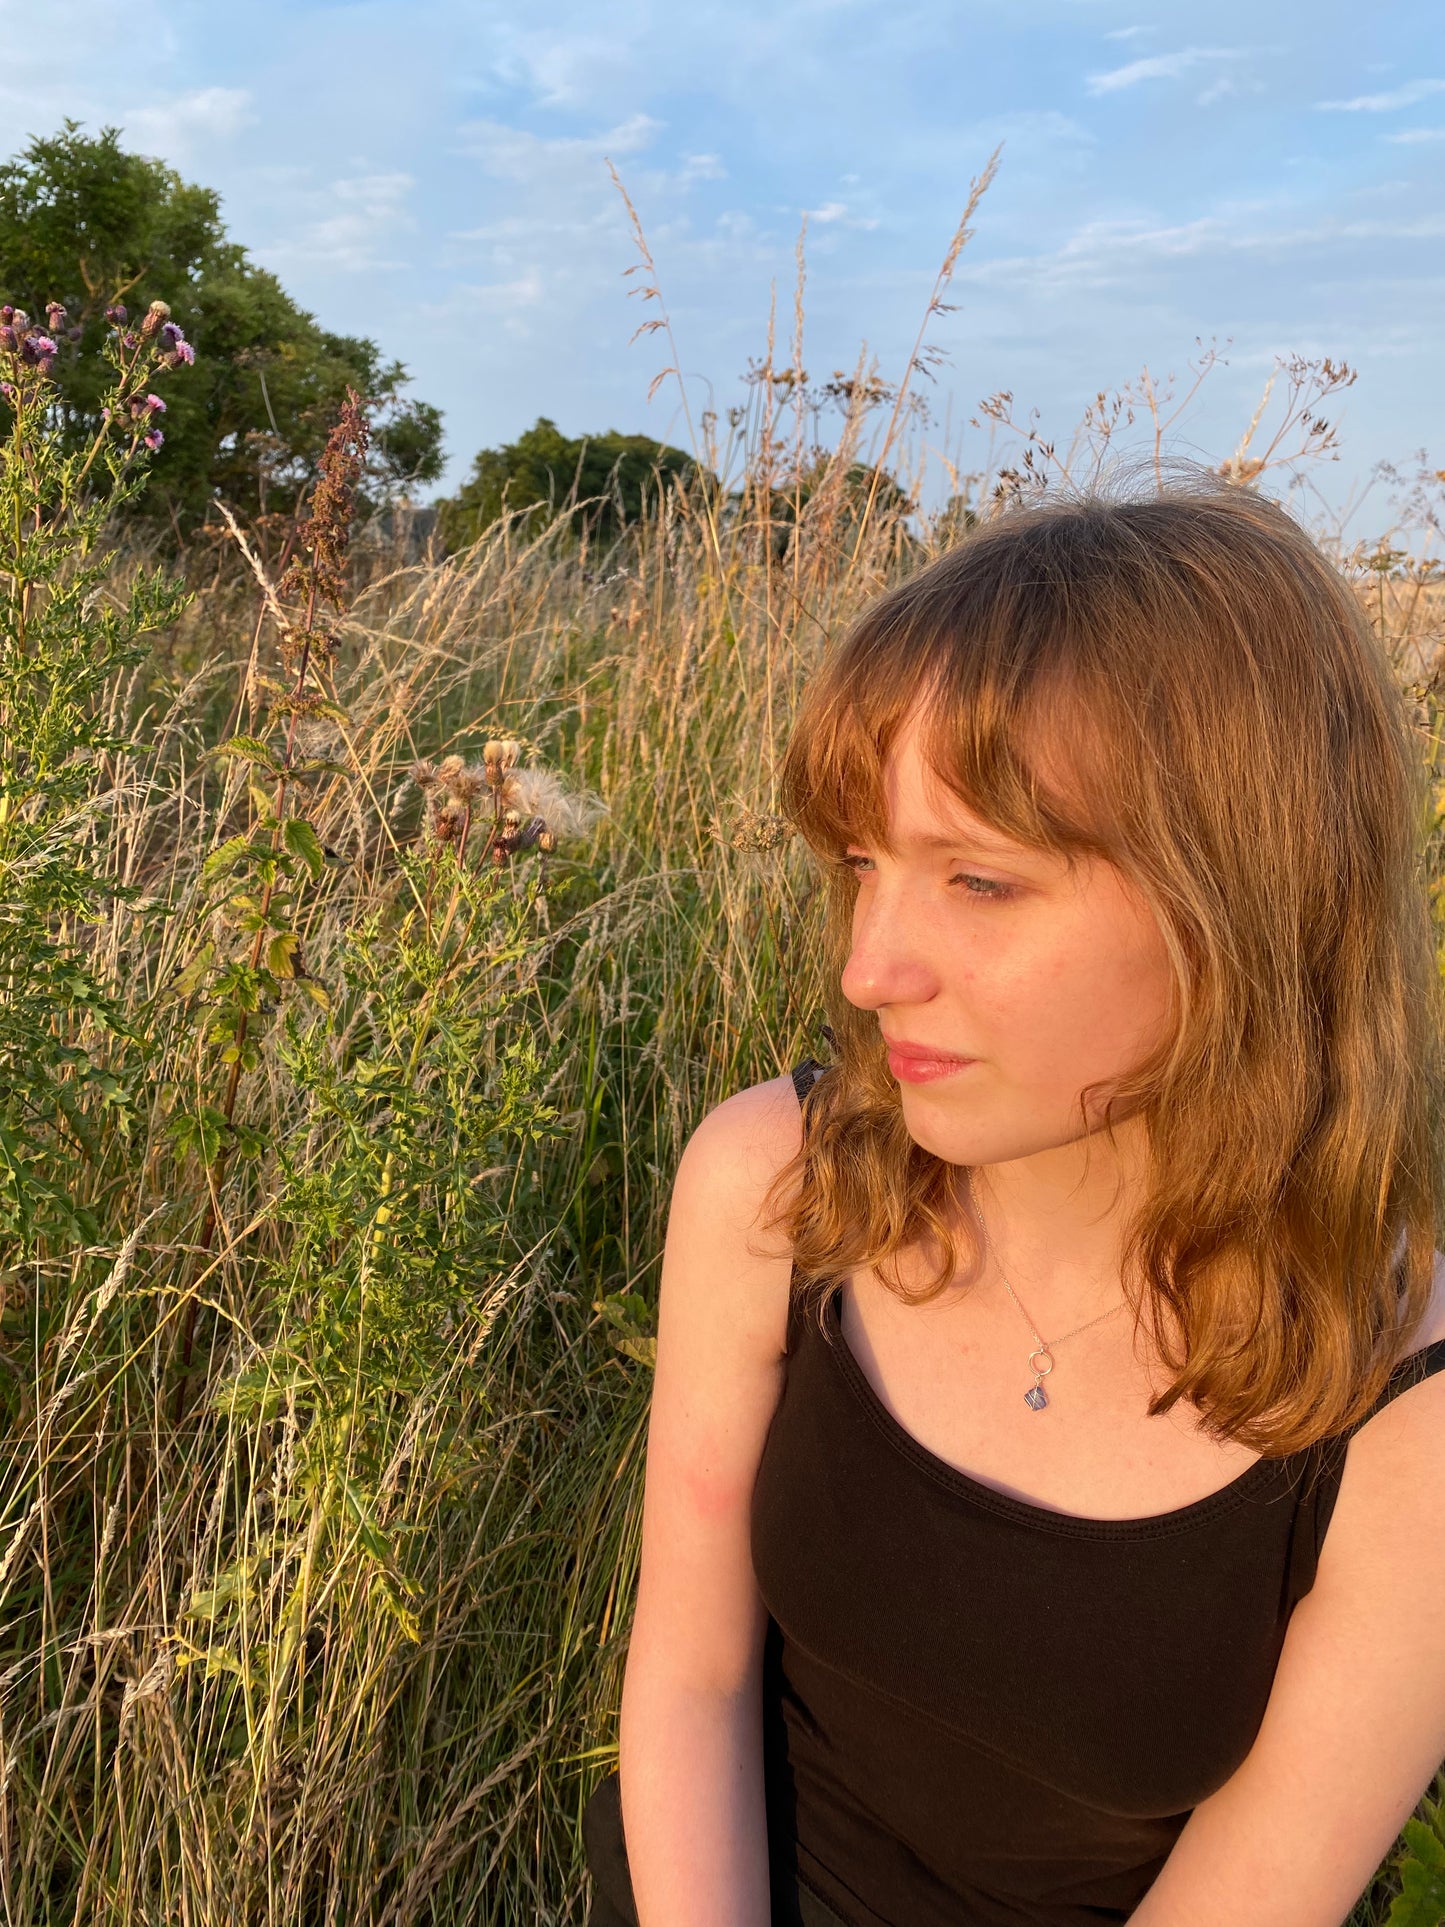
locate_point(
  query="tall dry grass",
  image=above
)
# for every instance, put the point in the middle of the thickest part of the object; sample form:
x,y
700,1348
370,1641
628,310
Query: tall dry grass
x,y
284,1661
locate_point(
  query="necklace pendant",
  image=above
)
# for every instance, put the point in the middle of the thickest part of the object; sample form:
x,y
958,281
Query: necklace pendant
x,y
1036,1397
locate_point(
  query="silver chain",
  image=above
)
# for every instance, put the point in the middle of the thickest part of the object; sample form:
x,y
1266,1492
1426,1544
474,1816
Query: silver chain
x,y
1043,1347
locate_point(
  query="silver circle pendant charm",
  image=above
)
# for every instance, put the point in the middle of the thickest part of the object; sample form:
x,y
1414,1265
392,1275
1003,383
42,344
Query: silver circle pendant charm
x,y
1038,1370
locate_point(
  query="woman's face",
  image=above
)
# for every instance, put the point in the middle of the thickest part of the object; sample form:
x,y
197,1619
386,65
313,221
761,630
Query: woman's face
x,y
969,946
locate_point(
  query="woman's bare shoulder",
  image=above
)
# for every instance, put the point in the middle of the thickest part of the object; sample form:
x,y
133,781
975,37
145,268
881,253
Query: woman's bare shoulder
x,y
739,1148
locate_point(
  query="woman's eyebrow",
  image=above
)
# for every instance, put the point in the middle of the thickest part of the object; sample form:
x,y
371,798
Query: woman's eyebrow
x,y
966,840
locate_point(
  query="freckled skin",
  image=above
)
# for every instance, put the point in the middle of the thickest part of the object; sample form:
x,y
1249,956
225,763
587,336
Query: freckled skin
x,y
1064,983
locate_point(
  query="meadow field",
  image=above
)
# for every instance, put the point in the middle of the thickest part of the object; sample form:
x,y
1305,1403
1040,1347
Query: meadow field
x,y
377,923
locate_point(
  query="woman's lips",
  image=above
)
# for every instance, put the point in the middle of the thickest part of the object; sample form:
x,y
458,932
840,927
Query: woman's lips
x,y
917,1064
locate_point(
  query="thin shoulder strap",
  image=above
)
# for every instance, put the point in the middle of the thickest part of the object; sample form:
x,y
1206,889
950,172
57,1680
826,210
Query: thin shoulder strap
x,y
1411,1371
806,1075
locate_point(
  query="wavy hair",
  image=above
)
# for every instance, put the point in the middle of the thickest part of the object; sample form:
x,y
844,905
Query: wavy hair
x,y
1236,744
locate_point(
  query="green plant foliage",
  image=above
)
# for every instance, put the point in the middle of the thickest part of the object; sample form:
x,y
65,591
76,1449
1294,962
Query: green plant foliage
x,y
84,221
617,477
62,644
1422,1871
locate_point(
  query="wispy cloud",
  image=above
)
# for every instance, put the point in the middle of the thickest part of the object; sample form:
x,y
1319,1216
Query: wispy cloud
x,y
1405,96
1229,87
839,213
1157,67
177,126
517,154
1415,136
1128,33
355,216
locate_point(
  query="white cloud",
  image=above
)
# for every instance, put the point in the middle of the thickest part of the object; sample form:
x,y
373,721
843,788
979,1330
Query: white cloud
x,y
514,154
702,167
1157,67
838,213
1415,136
1228,86
351,219
1128,33
177,126
1405,96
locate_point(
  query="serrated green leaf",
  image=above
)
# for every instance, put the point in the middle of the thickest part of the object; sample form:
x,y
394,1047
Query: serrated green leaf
x,y
224,857
189,980
250,749
302,841
1421,1902
281,952
313,988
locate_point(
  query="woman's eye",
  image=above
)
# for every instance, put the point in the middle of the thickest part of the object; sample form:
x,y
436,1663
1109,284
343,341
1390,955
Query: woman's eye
x,y
855,862
984,887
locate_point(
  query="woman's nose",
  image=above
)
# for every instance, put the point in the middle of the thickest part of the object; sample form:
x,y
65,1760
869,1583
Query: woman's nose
x,y
889,961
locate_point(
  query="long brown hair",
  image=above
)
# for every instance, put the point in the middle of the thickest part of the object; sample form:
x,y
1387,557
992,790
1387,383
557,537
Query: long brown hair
x,y
1237,745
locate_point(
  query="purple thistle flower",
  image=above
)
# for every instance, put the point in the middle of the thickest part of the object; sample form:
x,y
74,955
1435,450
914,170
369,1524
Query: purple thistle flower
x,y
154,405
129,340
184,352
116,315
39,350
170,335
7,389
153,438
8,341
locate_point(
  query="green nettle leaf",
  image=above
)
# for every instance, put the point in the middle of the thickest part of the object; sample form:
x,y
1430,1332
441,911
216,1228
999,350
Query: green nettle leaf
x,y
197,1133
188,981
250,749
281,954
304,844
1422,1876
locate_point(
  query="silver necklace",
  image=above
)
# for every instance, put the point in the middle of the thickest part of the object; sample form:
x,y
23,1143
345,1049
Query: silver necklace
x,y
1041,1358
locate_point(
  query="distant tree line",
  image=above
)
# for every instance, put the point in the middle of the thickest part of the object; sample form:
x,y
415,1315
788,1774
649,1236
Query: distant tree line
x,y
85,223
105,232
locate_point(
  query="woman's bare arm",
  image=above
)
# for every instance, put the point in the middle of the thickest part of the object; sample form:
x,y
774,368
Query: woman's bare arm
x,y
691,1735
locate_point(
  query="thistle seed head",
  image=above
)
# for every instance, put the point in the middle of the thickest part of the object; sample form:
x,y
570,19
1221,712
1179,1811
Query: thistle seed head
x,y
541,792
423,773
157,314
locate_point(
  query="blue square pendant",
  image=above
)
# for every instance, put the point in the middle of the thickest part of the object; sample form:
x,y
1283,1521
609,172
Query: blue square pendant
x,y
1037,1397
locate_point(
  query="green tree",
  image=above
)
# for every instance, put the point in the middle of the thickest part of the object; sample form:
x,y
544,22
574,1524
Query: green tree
x,y
618,476
85,223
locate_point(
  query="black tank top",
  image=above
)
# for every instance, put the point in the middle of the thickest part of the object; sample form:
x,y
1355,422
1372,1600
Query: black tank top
x,y
982,1713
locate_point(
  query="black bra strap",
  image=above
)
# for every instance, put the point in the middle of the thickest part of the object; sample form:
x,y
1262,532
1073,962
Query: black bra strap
x,y
806,1075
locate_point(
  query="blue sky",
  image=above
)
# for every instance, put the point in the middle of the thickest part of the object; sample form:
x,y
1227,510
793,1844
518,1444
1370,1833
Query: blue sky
x,y
433,173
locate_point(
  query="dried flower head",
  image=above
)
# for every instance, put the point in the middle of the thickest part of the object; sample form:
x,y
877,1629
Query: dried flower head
x,y
449,769
55,316
468,783
156,315
758,831
497,759
327,530
423,773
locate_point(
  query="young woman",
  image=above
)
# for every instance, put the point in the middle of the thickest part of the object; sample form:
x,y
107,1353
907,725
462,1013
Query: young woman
x,y
1042,1517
